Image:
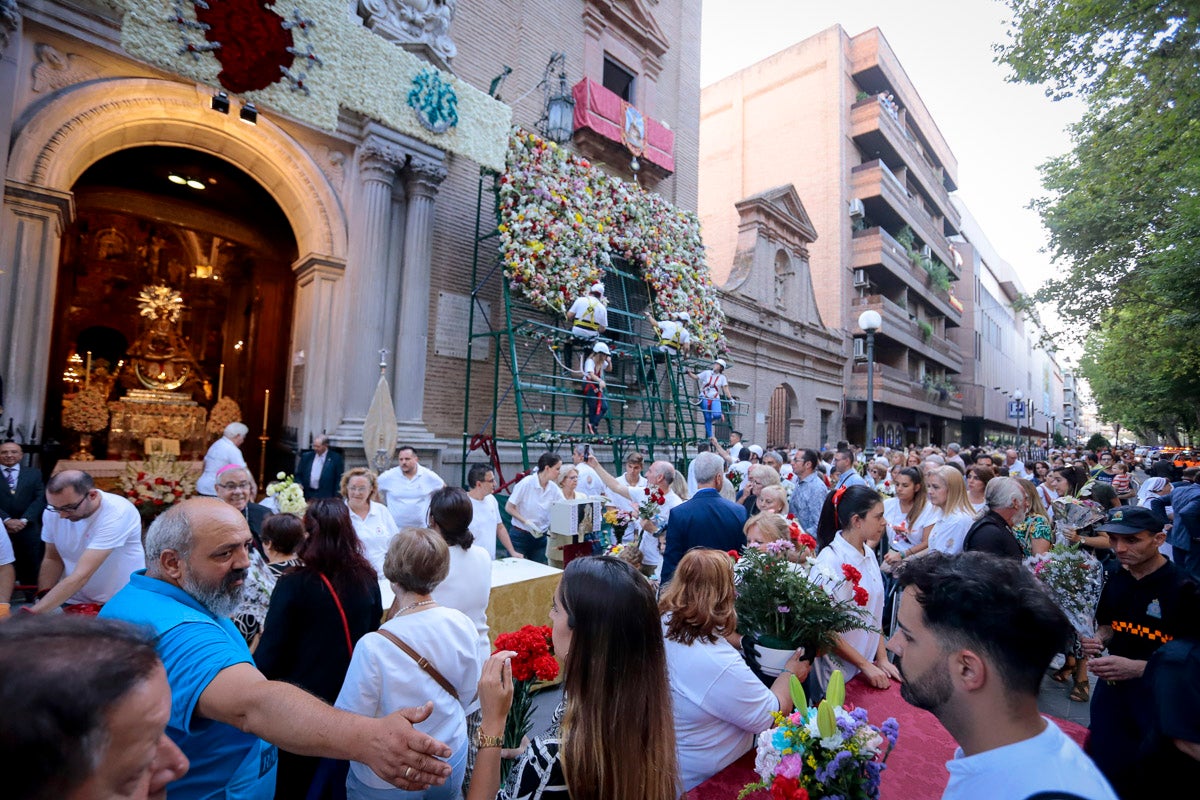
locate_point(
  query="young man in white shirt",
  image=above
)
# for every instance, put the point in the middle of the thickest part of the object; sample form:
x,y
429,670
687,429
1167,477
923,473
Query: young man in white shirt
x,y
487,525
975,635
405,489
93,543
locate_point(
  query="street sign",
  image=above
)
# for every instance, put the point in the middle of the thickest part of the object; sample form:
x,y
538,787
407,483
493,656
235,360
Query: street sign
x,y
1016,409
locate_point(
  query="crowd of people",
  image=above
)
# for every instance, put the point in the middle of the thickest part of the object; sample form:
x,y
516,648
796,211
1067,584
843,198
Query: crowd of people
x,y
246,653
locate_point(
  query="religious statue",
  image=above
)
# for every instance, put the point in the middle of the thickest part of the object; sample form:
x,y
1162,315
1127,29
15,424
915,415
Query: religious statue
x,y
160,359
419,25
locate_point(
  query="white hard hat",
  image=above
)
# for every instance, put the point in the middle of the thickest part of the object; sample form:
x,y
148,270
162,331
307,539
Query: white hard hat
x,y
683,315
597,288
721,361
601,347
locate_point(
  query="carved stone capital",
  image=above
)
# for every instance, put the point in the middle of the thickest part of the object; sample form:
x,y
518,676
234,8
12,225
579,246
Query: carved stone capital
x,y
424,178
378,161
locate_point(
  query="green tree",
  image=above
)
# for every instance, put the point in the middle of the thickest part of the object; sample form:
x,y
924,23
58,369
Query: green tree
x,y
1123,206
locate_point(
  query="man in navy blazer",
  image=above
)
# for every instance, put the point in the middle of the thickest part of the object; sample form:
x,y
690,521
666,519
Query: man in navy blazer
x,y
22,498
707,519
320,470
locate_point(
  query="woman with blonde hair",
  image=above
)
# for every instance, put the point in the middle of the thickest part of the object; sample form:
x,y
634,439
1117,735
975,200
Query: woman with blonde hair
x,y
764,528
773,499
948,493
372,521
758,477
613,736
719,704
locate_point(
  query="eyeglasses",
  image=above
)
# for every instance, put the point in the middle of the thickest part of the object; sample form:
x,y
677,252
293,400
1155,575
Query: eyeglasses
x,y
66,509
229,487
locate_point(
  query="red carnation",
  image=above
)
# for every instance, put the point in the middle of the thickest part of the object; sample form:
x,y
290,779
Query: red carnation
x,y
804,540
733,554
852,574
861,596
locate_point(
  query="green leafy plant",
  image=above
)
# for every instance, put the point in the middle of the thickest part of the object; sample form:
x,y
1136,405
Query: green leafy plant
x,y
926,330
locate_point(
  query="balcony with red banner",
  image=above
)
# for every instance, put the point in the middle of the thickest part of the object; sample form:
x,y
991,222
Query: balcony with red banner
x,y
611,129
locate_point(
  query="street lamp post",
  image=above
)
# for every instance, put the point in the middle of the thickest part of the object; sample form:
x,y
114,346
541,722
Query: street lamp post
x,y
870,322
1018,396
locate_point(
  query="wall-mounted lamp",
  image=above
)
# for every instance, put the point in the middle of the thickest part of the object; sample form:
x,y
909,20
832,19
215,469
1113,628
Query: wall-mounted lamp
x,y
558,119
220,102
249,114
191,183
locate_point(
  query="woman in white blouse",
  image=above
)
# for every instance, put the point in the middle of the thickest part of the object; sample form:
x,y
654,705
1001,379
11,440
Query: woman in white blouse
x,y
372,521
947,492
909,514
529,506
383,678
719,704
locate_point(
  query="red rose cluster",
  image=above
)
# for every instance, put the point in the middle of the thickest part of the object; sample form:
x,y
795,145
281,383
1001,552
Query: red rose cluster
x,y
535,653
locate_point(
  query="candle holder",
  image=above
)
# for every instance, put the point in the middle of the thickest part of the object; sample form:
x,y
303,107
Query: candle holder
x,y
262,457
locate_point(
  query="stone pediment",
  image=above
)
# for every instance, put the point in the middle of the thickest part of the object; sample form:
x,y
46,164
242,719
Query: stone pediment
x,y
781,209
635,20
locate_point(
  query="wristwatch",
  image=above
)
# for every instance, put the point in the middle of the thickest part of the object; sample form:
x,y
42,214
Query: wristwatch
x,y
483,741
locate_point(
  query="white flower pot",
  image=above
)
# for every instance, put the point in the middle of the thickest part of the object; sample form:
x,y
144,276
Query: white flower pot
x,y
772,661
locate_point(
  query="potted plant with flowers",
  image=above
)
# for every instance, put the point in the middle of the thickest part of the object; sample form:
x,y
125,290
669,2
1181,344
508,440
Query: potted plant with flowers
x,y
781,609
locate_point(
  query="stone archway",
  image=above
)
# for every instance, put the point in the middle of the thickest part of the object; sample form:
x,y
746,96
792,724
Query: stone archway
x,y
89,121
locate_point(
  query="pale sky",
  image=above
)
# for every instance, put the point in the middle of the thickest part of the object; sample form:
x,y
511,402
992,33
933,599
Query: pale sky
x,y
999,131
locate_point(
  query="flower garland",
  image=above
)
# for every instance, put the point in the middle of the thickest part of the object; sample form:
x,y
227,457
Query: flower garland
x,y
563,221
157,484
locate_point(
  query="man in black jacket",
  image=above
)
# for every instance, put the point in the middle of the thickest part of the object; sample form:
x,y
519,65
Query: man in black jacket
x,y
992,532
22,499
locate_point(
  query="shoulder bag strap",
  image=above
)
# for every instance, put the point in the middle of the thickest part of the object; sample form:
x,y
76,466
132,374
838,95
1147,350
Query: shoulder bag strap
x,y
342,612
422,662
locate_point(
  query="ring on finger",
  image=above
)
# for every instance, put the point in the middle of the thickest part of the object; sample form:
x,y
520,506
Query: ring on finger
x,y
407,772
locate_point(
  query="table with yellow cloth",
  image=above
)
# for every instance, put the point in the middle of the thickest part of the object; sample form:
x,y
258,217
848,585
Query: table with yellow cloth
x,y
522,591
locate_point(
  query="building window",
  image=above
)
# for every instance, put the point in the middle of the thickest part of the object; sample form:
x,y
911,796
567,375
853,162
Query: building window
x,y
618,79
825,418
978,346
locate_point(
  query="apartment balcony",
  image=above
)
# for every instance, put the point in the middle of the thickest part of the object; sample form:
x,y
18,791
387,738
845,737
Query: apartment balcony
x,y
894,387
881,130
889,204
904,330
887,264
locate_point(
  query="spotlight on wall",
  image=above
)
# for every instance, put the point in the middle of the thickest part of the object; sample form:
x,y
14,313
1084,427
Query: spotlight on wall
x,y
191,183
173,178
220,102
249,114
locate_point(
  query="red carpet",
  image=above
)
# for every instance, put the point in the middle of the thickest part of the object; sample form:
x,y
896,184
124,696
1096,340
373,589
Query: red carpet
x,y
916,769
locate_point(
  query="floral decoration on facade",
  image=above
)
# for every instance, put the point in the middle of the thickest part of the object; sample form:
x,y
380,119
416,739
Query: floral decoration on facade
x,y
563,221
823,752
434,101
157,484
226,411
289,495
359,70
86,411
534,661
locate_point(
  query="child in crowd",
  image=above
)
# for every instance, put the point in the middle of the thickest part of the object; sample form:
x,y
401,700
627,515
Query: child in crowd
x,y
1120,481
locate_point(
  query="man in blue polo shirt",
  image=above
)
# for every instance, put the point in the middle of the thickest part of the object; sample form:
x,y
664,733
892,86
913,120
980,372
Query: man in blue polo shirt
x,y
226,716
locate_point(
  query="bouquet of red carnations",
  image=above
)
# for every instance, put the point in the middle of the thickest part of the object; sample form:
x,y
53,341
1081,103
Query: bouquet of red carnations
x,y
534,662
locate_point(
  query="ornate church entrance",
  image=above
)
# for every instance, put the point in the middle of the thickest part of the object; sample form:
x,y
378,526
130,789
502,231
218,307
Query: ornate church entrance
x,y
175,287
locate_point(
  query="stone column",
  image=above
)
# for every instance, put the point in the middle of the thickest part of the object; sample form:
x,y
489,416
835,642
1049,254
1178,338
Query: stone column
x,y
394,274
30,238
366,303
412,340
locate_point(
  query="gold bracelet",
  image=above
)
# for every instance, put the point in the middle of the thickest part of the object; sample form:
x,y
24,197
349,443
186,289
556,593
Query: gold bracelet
x,y
483,741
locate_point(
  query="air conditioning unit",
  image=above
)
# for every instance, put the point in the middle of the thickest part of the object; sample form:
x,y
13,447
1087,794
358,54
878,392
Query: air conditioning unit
x,y
927,251
857,211
860,349
860,278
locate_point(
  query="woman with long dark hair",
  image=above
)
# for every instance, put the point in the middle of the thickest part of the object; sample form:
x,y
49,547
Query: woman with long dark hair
x,y
318,611
850,528
613,736
909,514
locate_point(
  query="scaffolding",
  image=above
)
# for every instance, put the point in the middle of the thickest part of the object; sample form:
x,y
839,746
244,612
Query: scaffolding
x,y
537,389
